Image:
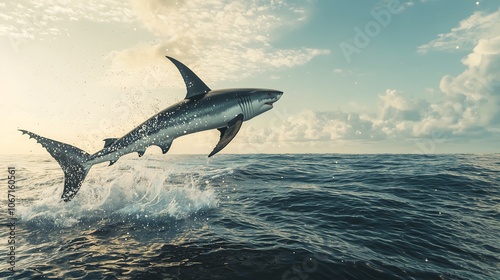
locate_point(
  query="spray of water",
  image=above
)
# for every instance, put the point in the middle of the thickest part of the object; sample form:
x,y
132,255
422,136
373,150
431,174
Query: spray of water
x,y
131,191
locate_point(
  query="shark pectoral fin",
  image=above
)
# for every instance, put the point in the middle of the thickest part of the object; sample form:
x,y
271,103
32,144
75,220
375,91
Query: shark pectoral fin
x,y
195,86
109,141
228,133
111,162
165,147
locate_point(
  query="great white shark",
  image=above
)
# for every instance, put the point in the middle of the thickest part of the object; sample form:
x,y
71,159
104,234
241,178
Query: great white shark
x,y
202,109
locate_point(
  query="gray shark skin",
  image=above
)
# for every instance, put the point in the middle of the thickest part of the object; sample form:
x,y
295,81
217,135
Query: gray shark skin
x,y
202,109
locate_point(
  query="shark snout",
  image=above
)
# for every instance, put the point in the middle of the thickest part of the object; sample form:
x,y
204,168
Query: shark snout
x,y
276,95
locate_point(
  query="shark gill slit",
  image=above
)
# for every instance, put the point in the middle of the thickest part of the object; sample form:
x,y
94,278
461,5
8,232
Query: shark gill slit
x,y
242,106
246,105
249,106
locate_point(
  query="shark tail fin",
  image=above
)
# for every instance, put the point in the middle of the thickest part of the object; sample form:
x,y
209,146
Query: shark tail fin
x,y
71,159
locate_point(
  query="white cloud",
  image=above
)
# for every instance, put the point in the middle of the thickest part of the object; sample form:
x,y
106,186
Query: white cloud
x,y
478,87
467,34
34,19
471,100
218,39
397,5
467,108
341,71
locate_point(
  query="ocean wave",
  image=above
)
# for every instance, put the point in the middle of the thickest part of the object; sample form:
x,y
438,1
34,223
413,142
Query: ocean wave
x,y
264,216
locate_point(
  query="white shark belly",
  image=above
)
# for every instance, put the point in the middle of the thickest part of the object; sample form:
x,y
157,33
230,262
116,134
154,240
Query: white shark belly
x,y
196,124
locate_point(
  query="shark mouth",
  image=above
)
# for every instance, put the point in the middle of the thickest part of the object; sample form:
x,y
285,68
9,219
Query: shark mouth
x,y
270,103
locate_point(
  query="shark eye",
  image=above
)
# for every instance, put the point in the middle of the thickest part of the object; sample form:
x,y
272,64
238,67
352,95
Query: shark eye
x,y
269,93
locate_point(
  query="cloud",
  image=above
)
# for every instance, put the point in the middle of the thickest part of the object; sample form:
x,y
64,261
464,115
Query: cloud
x,y
36,19
467,34
398,5
467,107
393,119
221,40
478,87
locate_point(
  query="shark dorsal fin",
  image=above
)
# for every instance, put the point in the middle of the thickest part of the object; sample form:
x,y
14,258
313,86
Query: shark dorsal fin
x,y
195,86
109,141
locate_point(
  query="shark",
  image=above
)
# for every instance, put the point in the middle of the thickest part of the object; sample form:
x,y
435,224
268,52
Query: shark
x,y
202,109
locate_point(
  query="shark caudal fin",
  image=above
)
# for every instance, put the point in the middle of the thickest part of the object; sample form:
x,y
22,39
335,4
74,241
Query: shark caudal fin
x,y
71,159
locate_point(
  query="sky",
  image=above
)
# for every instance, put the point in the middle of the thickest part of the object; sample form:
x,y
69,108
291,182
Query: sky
x,y
358,76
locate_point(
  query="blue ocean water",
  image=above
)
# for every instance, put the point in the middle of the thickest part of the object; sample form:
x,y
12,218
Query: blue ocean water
x,y
258,217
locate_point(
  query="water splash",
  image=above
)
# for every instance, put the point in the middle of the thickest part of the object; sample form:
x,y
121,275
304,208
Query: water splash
x,y
131,191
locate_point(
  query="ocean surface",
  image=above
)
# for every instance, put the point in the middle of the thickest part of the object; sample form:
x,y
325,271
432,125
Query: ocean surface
x,y
292,217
